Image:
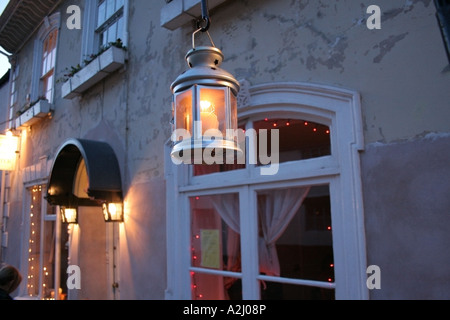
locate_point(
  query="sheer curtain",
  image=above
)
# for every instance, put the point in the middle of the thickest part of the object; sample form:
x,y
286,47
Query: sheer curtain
x,y
227,205
276,209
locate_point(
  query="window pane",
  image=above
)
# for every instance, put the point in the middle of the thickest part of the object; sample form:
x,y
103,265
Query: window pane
x,y
101,13
112,33
48,283
104,38
119,4
295,236
215,244
109,8
44,64
47,82
298,139
119,29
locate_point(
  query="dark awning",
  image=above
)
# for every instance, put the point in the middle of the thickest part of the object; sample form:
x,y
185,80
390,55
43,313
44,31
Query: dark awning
x,y
102,170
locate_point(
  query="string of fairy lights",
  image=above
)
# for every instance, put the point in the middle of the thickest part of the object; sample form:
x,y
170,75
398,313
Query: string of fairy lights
x,y
278,123
34,249
197,295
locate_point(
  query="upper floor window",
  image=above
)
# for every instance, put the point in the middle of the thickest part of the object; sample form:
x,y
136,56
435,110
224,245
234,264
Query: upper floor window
x,y
44,60
48,64
110,20
104,23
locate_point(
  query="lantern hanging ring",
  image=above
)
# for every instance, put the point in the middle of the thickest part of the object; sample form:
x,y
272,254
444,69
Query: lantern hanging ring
x,y
205,17
203,28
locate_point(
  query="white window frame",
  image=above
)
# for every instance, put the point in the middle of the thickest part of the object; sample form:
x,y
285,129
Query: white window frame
x,y
50,23
340,110
90,39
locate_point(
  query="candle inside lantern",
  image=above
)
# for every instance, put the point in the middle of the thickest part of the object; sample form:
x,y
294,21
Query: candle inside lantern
x,y
187,122
208,117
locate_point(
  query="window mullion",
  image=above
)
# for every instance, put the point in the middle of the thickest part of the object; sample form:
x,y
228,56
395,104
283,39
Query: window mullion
x,y
249,245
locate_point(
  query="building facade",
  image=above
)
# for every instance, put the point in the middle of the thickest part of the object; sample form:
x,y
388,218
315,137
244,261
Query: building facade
x,y
350,201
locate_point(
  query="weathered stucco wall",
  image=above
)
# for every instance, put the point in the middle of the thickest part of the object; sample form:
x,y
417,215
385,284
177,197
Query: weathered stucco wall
x,y
406,195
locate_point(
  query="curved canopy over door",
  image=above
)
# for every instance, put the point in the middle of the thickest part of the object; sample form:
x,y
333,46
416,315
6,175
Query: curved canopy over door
x,y
101,166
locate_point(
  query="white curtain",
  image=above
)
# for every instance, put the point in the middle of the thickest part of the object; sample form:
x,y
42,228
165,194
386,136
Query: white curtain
x,y
227,205
276,210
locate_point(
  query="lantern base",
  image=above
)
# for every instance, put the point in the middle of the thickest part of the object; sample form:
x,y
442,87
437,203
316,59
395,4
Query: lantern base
x,y
206,151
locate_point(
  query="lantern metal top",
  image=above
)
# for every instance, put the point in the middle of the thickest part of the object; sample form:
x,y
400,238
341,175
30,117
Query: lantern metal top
x,y
204,63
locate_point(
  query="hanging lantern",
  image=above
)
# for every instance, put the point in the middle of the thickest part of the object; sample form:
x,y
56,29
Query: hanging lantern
x,y
205,108
112,212
69,215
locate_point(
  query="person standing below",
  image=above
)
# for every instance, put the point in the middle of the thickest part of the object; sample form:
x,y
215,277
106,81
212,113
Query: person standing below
x,y
10,279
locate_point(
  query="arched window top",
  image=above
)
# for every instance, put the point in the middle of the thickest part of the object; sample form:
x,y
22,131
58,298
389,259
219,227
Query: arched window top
x,y
49,24
314,102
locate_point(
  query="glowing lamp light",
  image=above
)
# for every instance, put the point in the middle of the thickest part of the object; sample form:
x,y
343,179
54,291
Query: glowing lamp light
x,y
113,212
8,151
69,215
205,108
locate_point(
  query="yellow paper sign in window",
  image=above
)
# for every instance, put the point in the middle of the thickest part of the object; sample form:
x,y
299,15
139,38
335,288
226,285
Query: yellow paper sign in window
x,y
210,248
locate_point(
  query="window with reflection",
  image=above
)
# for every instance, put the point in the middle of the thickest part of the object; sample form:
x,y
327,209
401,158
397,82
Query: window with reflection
x,y
48,65
295,243
215,246
110,21
298,139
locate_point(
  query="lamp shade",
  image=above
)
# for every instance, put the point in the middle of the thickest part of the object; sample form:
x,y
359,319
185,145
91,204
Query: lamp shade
x,y
112,212
69,215
205,109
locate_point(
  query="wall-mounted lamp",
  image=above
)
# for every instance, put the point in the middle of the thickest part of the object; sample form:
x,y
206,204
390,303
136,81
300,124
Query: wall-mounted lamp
x,y
8,151
204,105
69,215
113,212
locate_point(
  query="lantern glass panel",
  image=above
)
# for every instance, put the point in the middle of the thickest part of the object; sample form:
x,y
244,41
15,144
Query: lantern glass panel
x,y
183,111
212,109
69,215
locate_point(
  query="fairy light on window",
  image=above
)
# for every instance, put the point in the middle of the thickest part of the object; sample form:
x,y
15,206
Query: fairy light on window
x,y
194,286
34,241
280,123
